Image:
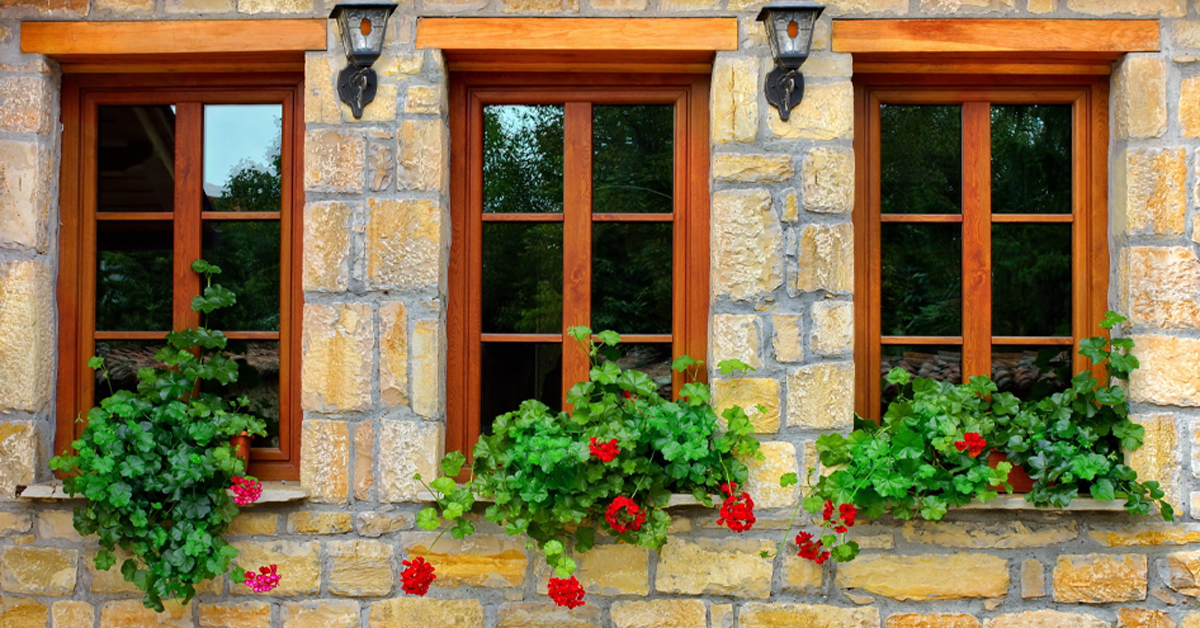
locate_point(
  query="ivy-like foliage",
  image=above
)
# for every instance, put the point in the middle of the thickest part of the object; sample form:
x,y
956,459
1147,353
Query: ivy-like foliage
x,y
1071,442
155,465
539,469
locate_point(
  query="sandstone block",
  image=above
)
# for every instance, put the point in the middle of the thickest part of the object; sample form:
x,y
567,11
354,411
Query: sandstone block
x,y
23,612
827,180
832,327
424,99
763,483
393,354
734,100
382,109
927,576
659,613
802,575
244,615
736,337
786,338
762,615
15,523
709,567
721,615
749,393
326,246
399,65
381,159
123,7
1150,192
109,580
825,65
404,243
1099,578
376,524
131,614
25,104
791,206
826,259
1181,572
334,161
1143,618
339,341
1165,8
548,615
1146,534
420,160
275,6
39,570
1169,372
24,195
1160,286
428,348
1140,97
426,612
821,396
321,104
746,238
1042,6
198,6
826,113
412,448
27,346
752,168
1033,579
617,569
18,455
364,461
300,561
318,522
1189,107
1186,33
361,568
620,5
482,560
1045,619
1158,459
325,464
321,614
978,535
946,620
254,524
69,614
540,6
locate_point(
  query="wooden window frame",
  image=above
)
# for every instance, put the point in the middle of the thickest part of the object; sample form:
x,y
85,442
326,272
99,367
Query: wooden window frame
x,y
468,94
81,95
1088,97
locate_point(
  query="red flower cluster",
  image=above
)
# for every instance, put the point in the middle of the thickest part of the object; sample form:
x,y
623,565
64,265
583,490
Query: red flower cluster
x,y
604,451
972,443
845,516
810,549
245,491
265,580
417,576
737,511
624,514
566,592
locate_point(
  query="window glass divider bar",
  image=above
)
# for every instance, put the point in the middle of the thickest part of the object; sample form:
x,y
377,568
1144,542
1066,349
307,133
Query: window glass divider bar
x,y
189,185
547,338
140,216
1041,341
240,216
633,217
921,218
921,340
577,237
977,239
1033,218
491,217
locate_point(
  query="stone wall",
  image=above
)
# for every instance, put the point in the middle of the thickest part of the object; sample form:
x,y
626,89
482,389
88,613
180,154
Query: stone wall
x,y
376,242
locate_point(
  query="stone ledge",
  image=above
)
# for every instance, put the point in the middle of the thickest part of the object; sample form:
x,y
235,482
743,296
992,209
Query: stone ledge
x,y
272,493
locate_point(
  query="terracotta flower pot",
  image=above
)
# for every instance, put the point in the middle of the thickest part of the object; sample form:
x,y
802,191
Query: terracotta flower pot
x,y
1017,477
241,447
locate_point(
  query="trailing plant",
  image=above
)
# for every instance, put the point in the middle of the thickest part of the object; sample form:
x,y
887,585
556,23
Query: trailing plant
x,y
156,466
1072,442
611,463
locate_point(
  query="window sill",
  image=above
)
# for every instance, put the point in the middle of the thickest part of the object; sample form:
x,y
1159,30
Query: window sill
x,y
272,493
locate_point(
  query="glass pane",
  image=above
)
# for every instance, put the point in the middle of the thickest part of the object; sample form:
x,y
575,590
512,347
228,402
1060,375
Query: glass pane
x,y
523,158
1031,372
133,275
135,158
653,359
940,362
247,251
123,358
522,278
1031,280
258,381
631,277
242,157
633,158
922,279
920,150
1031,159
512,372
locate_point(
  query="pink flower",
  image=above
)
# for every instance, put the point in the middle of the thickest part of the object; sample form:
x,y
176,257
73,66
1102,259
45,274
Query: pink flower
x,y
245,490
265,580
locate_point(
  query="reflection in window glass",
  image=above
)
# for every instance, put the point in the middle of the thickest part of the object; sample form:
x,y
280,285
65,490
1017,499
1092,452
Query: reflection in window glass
x,y
134,263
123,358
135,158
523,159
258,381
242,157
633,158
940,362
631,277
247,251
1031,372
1031,280
522,278
653,359
920,150
1031,159
512,372
922,279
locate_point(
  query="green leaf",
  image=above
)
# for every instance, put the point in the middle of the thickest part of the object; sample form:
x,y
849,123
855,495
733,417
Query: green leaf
x,y
95,363
553,547
580,333
585,538
462,529
1103,490
443,485
453,463
428,519
898,376
606,373
729,366
609,337
683,363
788,479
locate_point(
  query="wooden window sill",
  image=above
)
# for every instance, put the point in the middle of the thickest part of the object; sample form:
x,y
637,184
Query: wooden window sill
x,y
272,493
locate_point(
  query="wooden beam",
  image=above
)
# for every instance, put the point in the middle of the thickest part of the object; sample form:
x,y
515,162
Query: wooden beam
x,y
541,33
1005,36
59,39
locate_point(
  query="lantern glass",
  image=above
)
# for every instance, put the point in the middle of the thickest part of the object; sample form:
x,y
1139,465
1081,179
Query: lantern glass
x,y
363,26
789,31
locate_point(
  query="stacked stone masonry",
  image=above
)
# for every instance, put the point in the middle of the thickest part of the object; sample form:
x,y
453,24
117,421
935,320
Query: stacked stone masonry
x,y
376,243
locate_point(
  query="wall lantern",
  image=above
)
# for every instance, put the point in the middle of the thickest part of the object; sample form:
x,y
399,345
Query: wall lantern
x,y
789,31
363,25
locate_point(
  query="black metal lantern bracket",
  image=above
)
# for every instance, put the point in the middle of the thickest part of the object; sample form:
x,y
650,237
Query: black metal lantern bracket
x,y
362,25
789,27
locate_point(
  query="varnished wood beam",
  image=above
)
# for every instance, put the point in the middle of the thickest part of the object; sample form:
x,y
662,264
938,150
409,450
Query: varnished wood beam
x,y
1006,36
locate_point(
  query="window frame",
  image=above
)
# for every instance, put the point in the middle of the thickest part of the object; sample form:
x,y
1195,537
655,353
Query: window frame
x,y
1088,95
81,95
469,92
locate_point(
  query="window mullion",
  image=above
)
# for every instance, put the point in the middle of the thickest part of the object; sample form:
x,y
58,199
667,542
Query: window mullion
x,y
189,185
577,236
977,239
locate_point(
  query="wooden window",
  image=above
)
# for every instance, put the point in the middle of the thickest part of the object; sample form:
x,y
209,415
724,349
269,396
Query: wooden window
x,y
159,171
980,227
574,201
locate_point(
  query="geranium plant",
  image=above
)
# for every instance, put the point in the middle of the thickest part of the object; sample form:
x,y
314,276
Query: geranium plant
x,y
157,470
611,463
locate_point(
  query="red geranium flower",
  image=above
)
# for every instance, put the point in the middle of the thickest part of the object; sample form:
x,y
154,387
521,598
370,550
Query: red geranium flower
x,y
245,490
566,592
972,442
417,576
624,514
265,580
811,550
737,512
604,451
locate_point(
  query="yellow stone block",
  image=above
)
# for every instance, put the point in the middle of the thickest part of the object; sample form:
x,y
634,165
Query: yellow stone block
x,y
1099,578
17,523
110,580
763,482
749,393
752,168
746,238
334,161
827,180
1169,373
616,569
404,243
947,620
20,612
413,447
735,89
761,615
1045,619
131,614
736,337
1150,192
1181,572
1164,8
927,576
364,461
71,614
659,613
832,327
821,396
339,341
24,194
826,259
802,575
393,354
318,522
299,563
730,567
39,570
27,346
243,615
1143,618
979,535
253,524
482,560
1033,579
1158,286
1158,459
326,246
420,161
361,568
325,462
322,614
826,113
786,338
426,613
428,349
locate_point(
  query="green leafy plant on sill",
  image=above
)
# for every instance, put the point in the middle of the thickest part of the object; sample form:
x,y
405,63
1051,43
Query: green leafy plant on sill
x,y
611,464
156,465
